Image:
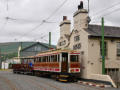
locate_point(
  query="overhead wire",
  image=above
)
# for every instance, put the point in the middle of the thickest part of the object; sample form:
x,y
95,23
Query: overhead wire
x,y
56,10
6,19
7,7
44,21
4,24
25,20
42,38
106,14
104,10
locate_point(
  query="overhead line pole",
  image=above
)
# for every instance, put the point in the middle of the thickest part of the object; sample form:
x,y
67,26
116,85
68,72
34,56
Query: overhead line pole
x,y
49,40
103,48
0,59
88,6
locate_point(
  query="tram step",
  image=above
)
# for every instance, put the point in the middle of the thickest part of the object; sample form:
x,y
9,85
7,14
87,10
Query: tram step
x,y
63,80
64,76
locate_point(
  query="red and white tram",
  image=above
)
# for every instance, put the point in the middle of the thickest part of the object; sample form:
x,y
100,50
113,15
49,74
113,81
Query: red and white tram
x,y
63,65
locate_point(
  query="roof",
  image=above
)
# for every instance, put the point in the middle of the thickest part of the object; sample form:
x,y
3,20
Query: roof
x,y
52,52
12,47
109,31
40,43
56,51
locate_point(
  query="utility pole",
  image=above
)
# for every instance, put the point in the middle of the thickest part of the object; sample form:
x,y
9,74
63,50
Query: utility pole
x,y
88,6
49,40
21,45
103,48
19,51
0,59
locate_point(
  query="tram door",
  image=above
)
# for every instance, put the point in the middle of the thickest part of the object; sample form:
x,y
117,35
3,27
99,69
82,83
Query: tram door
x,y
64,63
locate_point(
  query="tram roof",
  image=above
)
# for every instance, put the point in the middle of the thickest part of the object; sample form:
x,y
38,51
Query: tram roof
x,y
52,52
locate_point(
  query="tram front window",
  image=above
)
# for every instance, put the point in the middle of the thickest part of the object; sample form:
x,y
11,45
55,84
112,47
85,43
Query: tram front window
x,y
74,58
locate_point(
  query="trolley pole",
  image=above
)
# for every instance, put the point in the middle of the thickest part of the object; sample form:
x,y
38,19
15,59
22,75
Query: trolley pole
x,y
49,40
103,48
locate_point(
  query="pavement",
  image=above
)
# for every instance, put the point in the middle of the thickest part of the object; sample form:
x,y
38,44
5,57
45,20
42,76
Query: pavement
x,y
10,81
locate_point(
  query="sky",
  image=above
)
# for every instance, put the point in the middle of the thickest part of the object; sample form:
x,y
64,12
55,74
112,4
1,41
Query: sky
x,y
32,20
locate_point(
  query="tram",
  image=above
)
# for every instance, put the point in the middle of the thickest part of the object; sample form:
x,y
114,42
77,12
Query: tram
x,y
62,65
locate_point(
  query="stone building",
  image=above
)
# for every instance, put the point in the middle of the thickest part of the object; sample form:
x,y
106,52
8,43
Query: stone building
x,y
86,38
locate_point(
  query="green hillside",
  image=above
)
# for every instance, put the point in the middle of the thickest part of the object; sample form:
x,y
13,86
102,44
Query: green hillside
x,y
10,49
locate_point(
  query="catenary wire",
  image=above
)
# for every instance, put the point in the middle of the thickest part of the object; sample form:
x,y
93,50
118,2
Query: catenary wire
x,y
106,14
104,10
35,28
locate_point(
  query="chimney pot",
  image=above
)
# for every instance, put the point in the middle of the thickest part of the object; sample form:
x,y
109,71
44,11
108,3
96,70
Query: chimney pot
x,y
81,5
64,18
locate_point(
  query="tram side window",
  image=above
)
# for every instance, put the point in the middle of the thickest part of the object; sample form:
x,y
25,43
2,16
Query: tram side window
x,y
32,60
58,58
52,57
48,58
55,58
45,59
39,59
74,58
36,60
25,61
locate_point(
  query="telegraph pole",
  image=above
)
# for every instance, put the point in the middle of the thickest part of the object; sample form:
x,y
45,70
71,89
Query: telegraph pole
x,y
49,40
21,45
0,59
88,6
103,48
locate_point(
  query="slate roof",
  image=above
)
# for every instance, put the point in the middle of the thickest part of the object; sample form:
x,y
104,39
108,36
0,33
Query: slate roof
x,y
43,44
109,31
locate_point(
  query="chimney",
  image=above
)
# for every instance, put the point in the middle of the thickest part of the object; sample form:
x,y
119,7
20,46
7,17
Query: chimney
x,y
65,26
64,18
81,18
81,5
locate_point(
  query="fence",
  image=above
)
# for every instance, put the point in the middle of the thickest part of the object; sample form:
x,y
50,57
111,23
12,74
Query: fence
x,y
115,75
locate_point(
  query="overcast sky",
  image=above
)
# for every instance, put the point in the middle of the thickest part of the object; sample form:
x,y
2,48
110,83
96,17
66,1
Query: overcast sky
x,y
27,14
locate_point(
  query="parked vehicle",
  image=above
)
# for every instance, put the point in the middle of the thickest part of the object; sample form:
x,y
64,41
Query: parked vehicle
x,y
62,65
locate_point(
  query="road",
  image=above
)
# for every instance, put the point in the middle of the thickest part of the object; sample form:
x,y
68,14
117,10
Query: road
x,y
10,81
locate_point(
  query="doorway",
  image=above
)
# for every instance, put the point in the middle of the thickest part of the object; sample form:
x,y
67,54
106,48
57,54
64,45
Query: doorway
x,y
64,62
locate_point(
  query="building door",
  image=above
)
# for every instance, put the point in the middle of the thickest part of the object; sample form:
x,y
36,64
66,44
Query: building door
x,y
64,62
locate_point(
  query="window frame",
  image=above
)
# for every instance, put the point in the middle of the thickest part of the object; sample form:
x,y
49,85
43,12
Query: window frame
x,y
117,54
77,38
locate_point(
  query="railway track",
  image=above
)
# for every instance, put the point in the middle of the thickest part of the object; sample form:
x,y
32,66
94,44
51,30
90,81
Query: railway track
x,y
11,85
34,81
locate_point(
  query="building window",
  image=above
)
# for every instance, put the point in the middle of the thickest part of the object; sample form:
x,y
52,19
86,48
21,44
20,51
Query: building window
x,y
105,48
118,48
62,43
77,38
